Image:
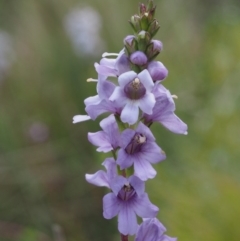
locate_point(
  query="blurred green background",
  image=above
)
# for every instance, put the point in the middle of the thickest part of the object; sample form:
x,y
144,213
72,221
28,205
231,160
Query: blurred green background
x,y
47,51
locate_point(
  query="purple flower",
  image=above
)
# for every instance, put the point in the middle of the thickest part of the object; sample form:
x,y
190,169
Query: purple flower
x,y
108,139
138,58
157,71
138,148
113,67
134,91
102,178
127,200
163,112
152,230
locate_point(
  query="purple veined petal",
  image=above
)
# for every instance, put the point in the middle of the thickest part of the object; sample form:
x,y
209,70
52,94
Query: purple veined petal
x,y
110,127
80,118
126,136
127,221
167,238
137,184
126,77
143,169
111,206
117,183
144,208
124,160
147,103
105,70
146,80
130,112
101,140
111,167
173,123
143,129
99,179
152,153
92,100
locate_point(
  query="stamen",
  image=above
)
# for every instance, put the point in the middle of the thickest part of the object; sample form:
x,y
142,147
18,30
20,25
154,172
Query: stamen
x,y
146,14
136,83
175,96
142,139
106,54
92,80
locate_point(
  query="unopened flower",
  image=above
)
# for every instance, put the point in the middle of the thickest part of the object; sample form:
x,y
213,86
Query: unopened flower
x,y
134,92
127,200
157,71
138,58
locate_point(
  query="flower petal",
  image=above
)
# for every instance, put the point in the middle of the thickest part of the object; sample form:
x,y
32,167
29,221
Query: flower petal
x,y
143,169
124,160
126,77
111,206
92,100
126,137
173,123
118,96
147,103
104,106
150,230
127,220
101,140
144,208
99,179
143,129
111,167
130,113
137,184
117,184
146,80
105,70
152,153
110,127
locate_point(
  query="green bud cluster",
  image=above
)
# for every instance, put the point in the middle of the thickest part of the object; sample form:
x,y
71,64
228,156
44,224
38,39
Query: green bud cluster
x,y
144,26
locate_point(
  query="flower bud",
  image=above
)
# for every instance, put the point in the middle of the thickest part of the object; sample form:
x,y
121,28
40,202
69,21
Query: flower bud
x,y
143,40
138,58
130,43
157,71
135,22
142,9
153,27
153,49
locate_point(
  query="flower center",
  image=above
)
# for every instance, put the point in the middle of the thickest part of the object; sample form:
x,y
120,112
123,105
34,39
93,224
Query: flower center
x,y
136,143
127,192
135,89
